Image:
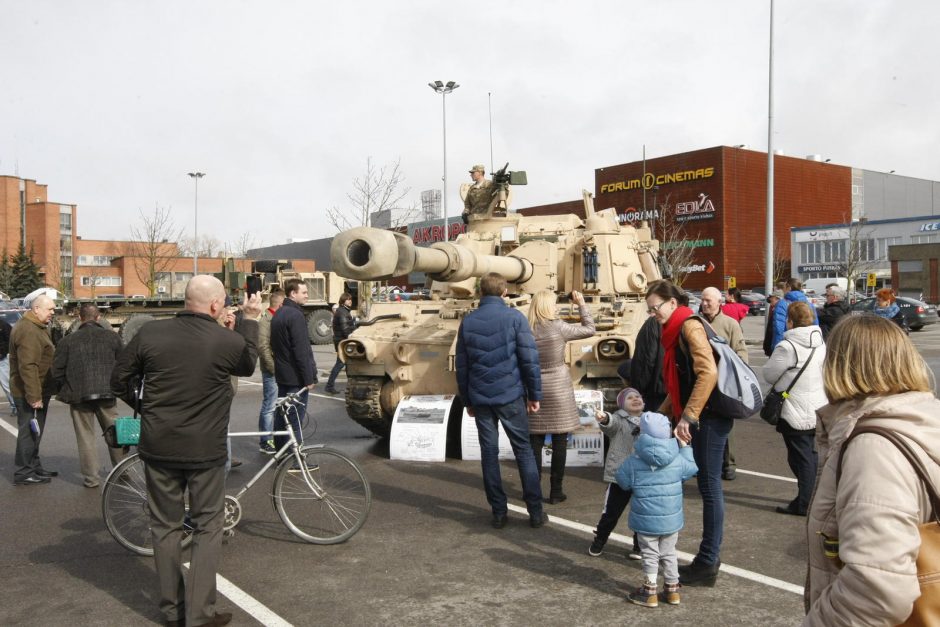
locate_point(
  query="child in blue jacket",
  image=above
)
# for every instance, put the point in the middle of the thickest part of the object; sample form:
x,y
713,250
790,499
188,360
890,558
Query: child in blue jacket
x,y
655,472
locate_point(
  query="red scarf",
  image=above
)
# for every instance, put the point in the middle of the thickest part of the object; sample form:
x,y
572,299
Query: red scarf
x,y
670,341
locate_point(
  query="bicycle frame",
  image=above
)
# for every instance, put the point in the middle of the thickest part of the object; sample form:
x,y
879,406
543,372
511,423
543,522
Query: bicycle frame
x,y
292,443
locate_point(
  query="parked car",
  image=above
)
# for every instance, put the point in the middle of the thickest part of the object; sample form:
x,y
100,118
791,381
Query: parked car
x,y
917,313
756,303
11,316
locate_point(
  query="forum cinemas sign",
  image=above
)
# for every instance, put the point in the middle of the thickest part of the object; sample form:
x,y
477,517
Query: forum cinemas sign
x,y
651,180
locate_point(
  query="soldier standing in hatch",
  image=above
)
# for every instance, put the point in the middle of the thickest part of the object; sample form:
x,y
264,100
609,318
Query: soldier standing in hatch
x,y
478,195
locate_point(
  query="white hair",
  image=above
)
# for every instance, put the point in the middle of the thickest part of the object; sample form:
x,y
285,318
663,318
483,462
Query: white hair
x,y
837,292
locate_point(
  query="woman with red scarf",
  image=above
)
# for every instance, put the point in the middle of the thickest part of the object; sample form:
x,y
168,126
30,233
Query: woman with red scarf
x,y
690,375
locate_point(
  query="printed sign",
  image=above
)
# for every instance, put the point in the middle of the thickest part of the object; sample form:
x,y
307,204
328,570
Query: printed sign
x,y
585,444
419,428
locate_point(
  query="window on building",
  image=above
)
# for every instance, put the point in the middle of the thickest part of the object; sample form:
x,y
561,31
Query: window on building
x,y
182,276
884,243
65,265
915,265
65,221
927,238
101,281
94,260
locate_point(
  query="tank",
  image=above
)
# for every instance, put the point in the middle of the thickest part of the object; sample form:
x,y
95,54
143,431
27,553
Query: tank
x,y
408,347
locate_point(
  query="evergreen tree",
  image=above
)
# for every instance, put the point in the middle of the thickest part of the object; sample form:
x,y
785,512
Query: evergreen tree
x,y
24,273
6,273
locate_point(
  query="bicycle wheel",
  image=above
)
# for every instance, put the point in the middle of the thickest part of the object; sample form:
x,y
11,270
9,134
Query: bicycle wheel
x,y
125,509
326,500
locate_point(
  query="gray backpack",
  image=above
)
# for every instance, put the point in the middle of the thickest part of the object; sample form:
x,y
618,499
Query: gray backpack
x,y
737,393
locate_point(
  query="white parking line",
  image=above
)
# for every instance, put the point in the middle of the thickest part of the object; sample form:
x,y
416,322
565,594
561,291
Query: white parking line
x,y
252,606
628,541
13,430
766,476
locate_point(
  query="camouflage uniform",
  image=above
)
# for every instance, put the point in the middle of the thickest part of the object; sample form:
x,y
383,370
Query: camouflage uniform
x,y
478,198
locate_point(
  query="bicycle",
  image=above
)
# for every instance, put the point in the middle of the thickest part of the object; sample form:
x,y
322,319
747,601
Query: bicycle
x,y
320,494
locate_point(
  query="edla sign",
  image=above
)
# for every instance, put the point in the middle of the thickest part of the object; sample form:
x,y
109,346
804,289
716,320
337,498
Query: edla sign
x,y
650,180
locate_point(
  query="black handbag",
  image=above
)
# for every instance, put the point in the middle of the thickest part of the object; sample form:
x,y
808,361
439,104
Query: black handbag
x,y
773,402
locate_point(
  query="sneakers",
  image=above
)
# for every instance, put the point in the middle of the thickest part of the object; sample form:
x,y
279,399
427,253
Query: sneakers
x,y
267,448
634,553
330,390
699,574
646,595
729,474
670,593
597,547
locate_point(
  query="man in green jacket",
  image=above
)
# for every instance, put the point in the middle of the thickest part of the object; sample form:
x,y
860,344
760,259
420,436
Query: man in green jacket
x,y
31,353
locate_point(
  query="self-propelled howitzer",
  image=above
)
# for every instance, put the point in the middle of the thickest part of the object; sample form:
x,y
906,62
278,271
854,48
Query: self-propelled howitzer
x,y
408,347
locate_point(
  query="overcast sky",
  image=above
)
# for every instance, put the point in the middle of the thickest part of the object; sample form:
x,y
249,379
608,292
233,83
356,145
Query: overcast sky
x,y
281,102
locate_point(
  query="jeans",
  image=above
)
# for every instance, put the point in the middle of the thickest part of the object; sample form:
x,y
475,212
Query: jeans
x,y
295,416
515,422
268,399
5,381
337,368
708,448
801,456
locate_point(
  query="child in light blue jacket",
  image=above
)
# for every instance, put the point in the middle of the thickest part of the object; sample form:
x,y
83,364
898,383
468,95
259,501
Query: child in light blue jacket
x,y
655,472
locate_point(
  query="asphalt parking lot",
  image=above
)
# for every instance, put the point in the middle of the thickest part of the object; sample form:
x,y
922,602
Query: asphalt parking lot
x,y
426,555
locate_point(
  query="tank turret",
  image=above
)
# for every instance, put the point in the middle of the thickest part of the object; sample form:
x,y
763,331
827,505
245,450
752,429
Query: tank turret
x,y
407,348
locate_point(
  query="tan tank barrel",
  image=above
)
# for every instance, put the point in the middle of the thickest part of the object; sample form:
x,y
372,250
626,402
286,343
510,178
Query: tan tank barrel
x,y
368,254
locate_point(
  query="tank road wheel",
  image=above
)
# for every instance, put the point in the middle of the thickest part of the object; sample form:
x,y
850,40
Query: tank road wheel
x,y
132,325
363,404
320,326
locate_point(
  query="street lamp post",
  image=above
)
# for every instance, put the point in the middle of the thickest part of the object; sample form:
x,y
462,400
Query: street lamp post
x,y
196,176
444,89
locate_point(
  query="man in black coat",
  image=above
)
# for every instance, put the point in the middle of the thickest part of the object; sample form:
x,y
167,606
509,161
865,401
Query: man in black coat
x,y
834,309
294,367
185,365
81,370
343,326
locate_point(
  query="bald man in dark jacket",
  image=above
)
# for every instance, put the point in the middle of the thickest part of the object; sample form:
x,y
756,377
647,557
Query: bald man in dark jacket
x,y
185,365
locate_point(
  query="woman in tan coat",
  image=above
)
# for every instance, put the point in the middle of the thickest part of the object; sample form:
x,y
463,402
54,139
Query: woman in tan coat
x,y
558,414
868,519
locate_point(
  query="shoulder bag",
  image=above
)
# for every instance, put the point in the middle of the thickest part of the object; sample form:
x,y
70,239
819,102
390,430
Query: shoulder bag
x,y
927,607
773,402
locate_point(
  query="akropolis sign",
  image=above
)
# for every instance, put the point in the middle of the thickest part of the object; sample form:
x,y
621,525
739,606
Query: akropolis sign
x,y
650,180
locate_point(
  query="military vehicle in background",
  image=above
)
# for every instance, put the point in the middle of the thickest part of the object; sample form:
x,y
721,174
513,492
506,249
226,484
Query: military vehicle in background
x,y
408,347
128,313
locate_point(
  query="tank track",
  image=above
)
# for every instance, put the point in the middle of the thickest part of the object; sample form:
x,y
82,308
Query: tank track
x,y
363,405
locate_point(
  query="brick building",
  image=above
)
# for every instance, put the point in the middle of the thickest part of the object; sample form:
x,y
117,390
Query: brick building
x,y
49,228
720,194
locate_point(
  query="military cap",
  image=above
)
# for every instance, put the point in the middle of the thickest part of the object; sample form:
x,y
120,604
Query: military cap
x,y
478,168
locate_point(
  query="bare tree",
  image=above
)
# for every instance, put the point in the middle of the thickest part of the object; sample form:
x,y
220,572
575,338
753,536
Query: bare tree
x,y
208,246
240,247
781,261
379,189
154,246
676,245
859,252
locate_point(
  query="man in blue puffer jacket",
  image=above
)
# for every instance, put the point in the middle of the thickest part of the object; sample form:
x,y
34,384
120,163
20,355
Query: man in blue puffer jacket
x,y
794,294
499,379
655,472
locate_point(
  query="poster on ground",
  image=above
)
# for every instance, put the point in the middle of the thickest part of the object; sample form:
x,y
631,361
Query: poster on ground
x,y
419,428
585,444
